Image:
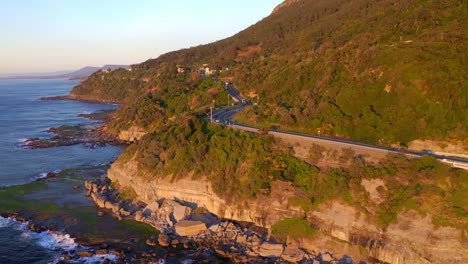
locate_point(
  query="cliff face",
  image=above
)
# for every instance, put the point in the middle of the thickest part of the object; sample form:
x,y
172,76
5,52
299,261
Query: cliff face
x,y
132,134
412,239
264,211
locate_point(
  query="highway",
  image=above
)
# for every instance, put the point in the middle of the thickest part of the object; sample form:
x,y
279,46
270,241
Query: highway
x,y
224,117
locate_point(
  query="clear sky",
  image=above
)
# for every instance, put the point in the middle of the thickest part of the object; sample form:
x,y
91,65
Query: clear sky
x,y
54,35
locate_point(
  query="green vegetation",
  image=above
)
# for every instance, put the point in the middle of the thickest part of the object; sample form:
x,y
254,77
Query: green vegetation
x,y
12,202
381,72
293,228
423,185
171,98
115,87
384,72
127,193
74,213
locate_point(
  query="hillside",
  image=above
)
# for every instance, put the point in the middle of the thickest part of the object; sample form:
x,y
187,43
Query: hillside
x,y
380,72
383,72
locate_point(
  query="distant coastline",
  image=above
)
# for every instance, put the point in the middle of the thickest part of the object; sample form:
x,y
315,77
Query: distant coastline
x,y
74,98
80,74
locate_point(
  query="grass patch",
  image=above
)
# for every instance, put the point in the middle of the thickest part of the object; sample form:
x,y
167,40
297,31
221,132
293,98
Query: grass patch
x,y
294,228
135,227
11,200
303,203
127,193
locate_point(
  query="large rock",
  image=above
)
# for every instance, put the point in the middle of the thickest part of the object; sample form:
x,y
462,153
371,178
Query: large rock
x,y
326,257
98,200
151,208
270,250
164,240
180,212
189,228
293,254
139,216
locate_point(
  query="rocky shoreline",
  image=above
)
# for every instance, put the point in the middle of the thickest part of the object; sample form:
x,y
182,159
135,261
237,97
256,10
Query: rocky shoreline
x,y
91,135
120,251
99,237
187,226
76,98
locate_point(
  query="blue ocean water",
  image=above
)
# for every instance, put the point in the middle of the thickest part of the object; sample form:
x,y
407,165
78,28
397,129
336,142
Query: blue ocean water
x,y
22,116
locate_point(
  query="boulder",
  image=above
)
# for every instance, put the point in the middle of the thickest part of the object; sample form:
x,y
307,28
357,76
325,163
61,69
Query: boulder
x,y
84,254
213,228
169,204
189,228
164,240
270,250
293,254
150,242
347,260
124,212
151,207
101,252
326,257
98,200
180,212
139,216
241,239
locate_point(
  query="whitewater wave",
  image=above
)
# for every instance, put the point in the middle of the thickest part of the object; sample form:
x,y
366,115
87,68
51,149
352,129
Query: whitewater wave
x,y
44,175
23,143
47,239
55,241
97,259
40,176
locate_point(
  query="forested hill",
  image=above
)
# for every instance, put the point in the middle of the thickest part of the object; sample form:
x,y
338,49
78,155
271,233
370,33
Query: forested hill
x,y
381,71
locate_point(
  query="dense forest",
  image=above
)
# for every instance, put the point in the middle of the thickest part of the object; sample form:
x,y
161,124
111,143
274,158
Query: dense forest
x,y
387,71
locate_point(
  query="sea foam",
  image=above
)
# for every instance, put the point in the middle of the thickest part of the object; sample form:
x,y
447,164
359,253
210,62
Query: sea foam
x,y
55,241
46,239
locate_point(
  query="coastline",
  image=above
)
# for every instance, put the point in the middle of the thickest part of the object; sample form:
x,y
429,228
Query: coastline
x,y
75,98
96,232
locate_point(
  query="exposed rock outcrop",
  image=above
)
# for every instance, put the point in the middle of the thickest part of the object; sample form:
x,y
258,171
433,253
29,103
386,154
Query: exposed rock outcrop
x,y
413,239
242,243
132,134
264,211
189,228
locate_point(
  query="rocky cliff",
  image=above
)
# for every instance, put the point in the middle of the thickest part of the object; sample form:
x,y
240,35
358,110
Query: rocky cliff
x,y
344,229
412,239
264,211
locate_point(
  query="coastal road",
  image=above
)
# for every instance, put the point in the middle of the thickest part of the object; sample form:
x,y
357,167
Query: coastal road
x,y
225,116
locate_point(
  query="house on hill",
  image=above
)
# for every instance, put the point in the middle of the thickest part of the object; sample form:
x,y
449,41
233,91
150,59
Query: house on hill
x,y
180,69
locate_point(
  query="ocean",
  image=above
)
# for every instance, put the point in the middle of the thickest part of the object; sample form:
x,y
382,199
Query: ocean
x,y
23,115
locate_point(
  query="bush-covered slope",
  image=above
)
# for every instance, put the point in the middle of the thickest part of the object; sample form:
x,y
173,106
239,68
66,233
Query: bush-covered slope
x,y
381,71
377,71
240,166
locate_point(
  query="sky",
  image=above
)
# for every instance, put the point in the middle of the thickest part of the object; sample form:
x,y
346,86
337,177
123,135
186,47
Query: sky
x,y
55,35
